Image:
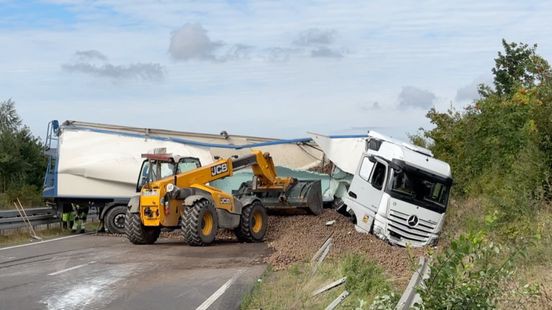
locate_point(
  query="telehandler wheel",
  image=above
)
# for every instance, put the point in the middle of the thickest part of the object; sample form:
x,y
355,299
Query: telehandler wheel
x,y
253,223
200,223
138,233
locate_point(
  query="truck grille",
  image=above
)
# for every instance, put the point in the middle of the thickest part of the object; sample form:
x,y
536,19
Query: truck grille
x,y
398,227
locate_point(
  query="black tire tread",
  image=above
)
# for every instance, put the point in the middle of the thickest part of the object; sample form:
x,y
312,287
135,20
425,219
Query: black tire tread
x,y
137,233
191,222
243,231
110,216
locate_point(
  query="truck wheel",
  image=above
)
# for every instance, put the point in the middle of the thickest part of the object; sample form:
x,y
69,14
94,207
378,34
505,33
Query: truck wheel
x,y
114,219
253,223
200,223
138,233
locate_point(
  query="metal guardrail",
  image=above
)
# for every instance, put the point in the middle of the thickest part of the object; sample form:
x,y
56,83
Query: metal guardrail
x,y
410,296
11,219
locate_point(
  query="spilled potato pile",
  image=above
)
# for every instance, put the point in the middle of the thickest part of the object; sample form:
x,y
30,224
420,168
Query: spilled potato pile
x,y
296,238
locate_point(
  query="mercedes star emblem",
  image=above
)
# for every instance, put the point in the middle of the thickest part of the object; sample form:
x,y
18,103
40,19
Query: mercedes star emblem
x,y
412,220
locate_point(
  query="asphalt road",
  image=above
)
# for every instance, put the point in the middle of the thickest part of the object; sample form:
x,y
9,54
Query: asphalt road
x,y
106,272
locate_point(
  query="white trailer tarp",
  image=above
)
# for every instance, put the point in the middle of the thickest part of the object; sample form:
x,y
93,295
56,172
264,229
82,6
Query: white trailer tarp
x,y
93,164
103,161
345,153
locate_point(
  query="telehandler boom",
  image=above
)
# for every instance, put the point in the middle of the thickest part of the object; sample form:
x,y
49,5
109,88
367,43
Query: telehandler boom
x,y
174,192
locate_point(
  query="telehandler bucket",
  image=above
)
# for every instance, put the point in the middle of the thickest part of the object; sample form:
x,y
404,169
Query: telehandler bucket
x,y
303,194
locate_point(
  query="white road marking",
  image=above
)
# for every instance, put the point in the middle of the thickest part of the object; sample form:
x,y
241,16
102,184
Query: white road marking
x,y
209,301
41,242
70,268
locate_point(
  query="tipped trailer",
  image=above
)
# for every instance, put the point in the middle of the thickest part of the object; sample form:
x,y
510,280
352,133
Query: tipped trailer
x,y
97,164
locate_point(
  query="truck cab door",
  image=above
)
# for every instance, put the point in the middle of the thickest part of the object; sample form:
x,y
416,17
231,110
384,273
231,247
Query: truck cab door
x,y
366,191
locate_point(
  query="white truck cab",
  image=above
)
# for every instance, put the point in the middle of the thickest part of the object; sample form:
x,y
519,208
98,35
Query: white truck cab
x,y
399,192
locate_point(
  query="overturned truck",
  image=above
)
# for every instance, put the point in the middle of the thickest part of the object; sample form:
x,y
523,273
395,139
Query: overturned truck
x,y
395,190
98,164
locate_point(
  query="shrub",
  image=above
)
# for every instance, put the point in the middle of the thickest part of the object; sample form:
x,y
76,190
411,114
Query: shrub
x,y
470,274
366,280
28,195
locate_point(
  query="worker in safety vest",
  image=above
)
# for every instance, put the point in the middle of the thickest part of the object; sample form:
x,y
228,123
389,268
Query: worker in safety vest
x,y
81,211
67,216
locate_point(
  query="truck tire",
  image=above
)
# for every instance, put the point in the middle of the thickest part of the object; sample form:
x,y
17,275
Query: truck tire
x,y
138,233
114,219
253,223
200,223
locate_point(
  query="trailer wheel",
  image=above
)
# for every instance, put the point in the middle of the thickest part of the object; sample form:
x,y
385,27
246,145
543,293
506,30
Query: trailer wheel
x,y
253,223
138,233
200,223
114,219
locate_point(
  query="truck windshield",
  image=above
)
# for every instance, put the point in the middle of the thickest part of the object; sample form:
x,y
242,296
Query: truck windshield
x,y
419,189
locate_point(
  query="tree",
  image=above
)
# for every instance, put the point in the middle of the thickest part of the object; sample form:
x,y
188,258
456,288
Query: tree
x,y
519,66
9,120
22,163
501,145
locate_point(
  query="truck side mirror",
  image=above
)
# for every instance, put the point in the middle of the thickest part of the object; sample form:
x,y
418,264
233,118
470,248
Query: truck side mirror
x,y
395,167
372,159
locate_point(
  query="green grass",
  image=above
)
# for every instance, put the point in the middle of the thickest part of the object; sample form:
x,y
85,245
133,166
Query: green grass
x,y
23,236
534,265
292,288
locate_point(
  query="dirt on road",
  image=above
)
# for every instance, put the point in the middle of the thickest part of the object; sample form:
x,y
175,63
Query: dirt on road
x,y
295,238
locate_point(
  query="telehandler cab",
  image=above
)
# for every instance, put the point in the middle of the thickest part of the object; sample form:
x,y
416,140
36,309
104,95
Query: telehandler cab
x,y
174,192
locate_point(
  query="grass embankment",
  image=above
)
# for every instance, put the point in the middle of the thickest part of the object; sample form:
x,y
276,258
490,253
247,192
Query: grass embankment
x,y
293,288
528,285
526,238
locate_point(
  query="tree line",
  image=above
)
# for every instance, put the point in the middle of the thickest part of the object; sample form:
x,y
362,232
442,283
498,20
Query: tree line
x,y
496,234
500,146
22,163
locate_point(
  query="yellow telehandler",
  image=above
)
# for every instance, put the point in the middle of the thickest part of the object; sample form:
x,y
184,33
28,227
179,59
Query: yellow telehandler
x,y
174,193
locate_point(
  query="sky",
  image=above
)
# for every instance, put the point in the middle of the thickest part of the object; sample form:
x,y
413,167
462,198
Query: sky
x,y
262,68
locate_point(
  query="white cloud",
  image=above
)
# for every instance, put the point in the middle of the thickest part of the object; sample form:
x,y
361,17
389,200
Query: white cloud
x,y
316,37
319,43
191,42
437,45
413,97
93,62
470,92
91,54
146,71
326,52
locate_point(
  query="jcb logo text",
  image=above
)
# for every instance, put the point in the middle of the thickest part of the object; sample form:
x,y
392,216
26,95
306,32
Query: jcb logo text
x,y
219,169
